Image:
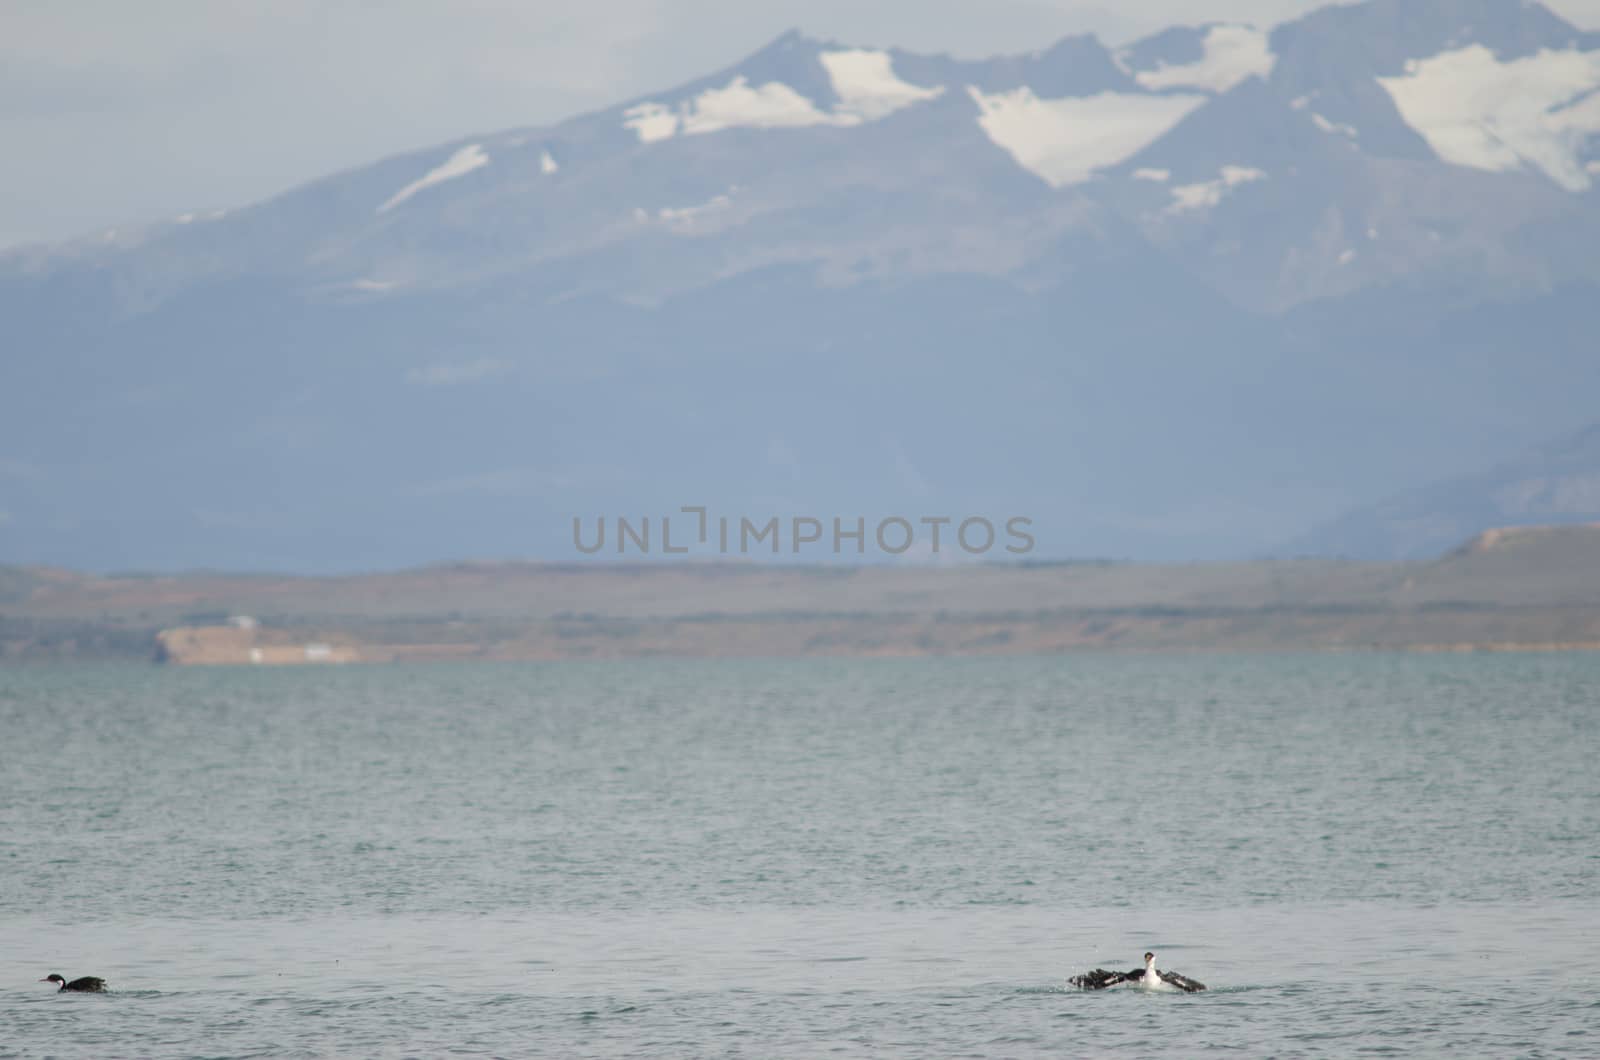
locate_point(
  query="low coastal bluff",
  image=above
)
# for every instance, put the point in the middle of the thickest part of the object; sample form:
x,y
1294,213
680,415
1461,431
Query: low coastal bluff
x,y
1522,589
240,643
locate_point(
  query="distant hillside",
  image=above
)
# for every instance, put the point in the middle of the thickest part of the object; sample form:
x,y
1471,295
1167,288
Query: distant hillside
x,y
1513,588
1554,483
1172,301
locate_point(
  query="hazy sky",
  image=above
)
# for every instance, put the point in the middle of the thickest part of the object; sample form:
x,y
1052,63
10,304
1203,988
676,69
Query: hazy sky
x,y
115,112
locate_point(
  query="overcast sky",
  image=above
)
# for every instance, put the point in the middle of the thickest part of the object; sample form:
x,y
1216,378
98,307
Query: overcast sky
x,y
114,112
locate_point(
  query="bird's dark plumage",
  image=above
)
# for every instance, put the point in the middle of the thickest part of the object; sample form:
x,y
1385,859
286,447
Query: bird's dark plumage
x,y
1182,982
88,984
1099,979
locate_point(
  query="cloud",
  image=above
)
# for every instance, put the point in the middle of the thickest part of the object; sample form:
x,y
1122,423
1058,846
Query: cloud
x,y
198,105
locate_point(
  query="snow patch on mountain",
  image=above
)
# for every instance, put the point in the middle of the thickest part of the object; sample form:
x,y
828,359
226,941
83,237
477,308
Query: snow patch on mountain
x,y
651,121
867,86
459,164
1476,110
1334,127
1231,54
1207,194
864,81
773,105
686,216
547,163
1064,141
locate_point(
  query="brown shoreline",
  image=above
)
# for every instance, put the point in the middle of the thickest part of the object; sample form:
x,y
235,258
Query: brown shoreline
x,y
1531,589
803,638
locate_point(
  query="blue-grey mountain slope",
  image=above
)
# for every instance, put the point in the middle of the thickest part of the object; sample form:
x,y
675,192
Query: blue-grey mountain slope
x,y
1176,300
1553,484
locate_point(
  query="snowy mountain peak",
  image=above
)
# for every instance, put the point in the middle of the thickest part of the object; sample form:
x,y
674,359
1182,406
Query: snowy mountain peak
x,y
861,86
1068,140
1063,114
1382,35
1539,112
1210,58
1379,215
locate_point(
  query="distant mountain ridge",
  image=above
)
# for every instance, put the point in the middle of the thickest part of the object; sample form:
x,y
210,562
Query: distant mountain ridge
x,y
1163,133
1179,299
1552,484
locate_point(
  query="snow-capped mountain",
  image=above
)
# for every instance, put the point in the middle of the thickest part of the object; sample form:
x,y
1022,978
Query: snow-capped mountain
x,y
1181,298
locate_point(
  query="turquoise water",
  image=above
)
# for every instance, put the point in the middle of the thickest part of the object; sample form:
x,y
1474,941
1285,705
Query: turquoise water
x,y
1360,854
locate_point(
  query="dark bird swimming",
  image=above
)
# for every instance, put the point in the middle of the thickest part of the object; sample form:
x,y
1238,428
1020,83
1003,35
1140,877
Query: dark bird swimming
x,y
1149,977
89,984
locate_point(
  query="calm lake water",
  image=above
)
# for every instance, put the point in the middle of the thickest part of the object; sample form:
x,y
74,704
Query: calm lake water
x,y
1360,854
